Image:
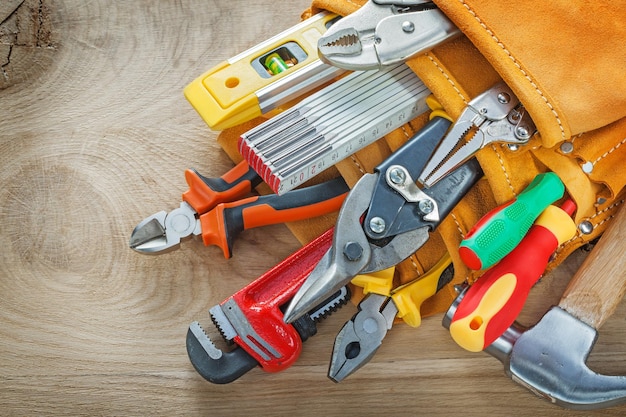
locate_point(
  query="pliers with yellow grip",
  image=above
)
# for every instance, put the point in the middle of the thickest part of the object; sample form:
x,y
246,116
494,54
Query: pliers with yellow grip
x,y
362,335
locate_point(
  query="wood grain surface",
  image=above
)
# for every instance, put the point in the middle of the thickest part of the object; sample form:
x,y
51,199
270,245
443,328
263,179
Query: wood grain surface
x,y
95,135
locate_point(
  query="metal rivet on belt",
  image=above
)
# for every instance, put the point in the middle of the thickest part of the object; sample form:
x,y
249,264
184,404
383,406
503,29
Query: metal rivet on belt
x,y
567,147
587,167
585,227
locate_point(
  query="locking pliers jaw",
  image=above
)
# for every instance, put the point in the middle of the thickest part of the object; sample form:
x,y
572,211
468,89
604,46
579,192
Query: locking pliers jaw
x,y
385,32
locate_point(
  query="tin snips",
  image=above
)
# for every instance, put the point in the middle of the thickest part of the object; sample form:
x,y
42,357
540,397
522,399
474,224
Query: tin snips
x,y
385,32
386,217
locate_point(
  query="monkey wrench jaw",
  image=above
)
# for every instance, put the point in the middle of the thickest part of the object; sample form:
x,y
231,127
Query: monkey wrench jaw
x,y
213,364
252,320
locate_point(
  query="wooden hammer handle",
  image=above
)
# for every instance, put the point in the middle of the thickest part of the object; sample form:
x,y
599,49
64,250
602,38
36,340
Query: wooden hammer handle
x,y
599,285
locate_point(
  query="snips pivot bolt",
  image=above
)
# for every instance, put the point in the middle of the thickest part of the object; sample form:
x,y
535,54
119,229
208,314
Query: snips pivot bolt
x,y
377,225
426,206
353,251
397,176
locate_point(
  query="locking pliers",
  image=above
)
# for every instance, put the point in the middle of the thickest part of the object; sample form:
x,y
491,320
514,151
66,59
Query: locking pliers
x,y
385,32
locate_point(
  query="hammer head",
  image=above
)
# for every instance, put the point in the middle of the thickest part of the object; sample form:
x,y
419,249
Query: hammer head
x,y
550,360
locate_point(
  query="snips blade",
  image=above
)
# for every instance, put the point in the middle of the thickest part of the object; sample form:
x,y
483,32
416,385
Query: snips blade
x,y
349,254
352,252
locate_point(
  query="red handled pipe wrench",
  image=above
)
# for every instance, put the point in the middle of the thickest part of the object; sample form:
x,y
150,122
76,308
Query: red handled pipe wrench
x,y
252,318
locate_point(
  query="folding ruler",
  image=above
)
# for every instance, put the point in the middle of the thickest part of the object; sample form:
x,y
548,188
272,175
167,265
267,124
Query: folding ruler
x,y
332,124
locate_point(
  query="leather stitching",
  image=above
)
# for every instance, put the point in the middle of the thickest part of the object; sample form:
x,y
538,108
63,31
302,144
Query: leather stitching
x,y
519,67
447,77
357,164
604,155
506,174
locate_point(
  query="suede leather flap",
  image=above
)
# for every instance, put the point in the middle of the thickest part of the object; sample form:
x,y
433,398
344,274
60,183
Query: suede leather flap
x,y
564,59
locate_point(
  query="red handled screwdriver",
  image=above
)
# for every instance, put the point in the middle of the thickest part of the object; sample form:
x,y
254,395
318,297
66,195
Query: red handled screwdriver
x,y
489,307
500,230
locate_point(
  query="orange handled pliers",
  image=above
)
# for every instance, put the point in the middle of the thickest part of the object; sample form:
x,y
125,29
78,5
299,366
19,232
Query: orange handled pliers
x,y
215,209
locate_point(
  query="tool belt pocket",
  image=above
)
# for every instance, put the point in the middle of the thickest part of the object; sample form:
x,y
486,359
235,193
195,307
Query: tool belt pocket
x,y
566,65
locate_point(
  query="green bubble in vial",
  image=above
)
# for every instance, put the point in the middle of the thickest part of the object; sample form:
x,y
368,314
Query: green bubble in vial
x,y
275,64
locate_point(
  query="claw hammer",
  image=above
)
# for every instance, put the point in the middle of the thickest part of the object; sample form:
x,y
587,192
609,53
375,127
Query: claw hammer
x,y
550,357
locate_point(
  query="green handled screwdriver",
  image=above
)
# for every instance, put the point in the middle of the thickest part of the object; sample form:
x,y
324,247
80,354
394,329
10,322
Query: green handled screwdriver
x,y
498,232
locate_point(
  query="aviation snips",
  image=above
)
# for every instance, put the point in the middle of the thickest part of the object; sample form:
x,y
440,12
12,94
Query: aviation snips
x,y
386,217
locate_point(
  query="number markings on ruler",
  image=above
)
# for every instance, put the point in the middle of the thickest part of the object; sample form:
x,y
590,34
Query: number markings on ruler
x,y
332,124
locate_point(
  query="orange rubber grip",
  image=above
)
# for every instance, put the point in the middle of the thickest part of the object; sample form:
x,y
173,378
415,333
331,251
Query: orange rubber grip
x,y
206,193
221,225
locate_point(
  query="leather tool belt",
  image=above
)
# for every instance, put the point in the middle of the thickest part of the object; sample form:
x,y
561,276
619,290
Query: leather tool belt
x,y
565,62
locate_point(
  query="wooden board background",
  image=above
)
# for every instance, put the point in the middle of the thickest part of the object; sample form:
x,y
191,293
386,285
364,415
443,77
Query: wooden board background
x,y
95,134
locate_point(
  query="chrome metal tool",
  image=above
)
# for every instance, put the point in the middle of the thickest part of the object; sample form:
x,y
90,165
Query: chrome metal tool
x,y
359,339
385,32
497,115
386,217
550,357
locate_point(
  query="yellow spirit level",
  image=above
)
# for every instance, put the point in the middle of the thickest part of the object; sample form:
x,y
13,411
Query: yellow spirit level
x,y
264,77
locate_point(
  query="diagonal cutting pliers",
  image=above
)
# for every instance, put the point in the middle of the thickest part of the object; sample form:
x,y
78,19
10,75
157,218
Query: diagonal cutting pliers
x,y
214,208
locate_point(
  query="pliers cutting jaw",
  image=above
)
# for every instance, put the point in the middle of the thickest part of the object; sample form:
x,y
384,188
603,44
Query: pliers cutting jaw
x,y
362,335
360,338
164,231
384,32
